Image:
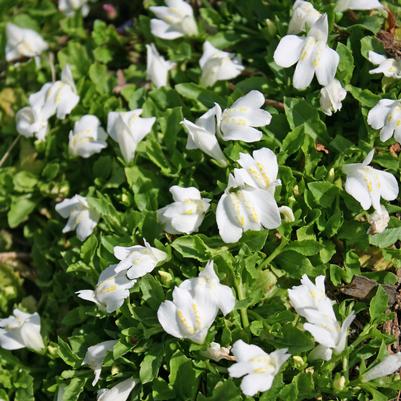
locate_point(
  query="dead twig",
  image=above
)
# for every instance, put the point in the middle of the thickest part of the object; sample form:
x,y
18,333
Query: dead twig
x,y
9,150
10,256
276,104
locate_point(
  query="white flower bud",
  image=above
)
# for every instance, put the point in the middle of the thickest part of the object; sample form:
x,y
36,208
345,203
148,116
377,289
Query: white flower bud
x,y
331,97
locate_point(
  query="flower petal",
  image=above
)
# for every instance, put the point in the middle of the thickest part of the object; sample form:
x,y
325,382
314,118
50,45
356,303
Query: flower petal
x,y
358,191
327,67
288,51
229,231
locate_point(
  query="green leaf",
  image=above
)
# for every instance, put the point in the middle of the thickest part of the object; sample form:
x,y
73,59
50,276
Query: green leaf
x,y
150,365
196,92
294,339
152,291
346,65
293,141
387,238
75,55
363,96
226,391
306,247
378,304
73,390
183,377
24,181
192,246
324,192
20,210
67,355
255,239
289,392
161,390
100,76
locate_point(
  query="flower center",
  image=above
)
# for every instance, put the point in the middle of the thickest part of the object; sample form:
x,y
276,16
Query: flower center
x,y
263,364
259,174
185,323
193,207
106,287
308,48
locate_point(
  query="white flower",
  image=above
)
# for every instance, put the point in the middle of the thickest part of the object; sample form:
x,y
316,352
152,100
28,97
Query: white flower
x,y
69,7
245,208
389,67
258,367
58,97
187,316
186,213
304,15
311,302
389,365
331,97
202,134
87,138
311,54
138,260
174,21
157,67
216,352
310,296
237,122
95,355
207,285
128,129
111,290
120,392
22,42
259,170
80,216
21,330
218,65
31,122
367,184
386,116
343,5
287,214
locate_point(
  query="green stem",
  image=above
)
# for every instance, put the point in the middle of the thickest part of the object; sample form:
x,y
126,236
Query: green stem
x,y
275,253
241,296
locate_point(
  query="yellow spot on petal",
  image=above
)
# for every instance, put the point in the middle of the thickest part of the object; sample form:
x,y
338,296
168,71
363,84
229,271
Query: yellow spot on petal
x,y
262,170
198,322
250,209
184,322
237,209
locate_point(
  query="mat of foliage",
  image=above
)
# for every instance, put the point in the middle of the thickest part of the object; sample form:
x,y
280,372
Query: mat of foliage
x,y
328,237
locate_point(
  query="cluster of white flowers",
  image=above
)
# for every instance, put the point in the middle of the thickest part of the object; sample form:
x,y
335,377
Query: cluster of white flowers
x,y
236,123
312,56
70,7
55,98
368,185
248,203
311,302
195,305
175,21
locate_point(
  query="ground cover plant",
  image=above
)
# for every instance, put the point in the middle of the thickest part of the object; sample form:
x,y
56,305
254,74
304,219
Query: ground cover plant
x,y
200,200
